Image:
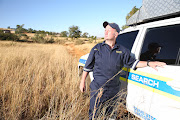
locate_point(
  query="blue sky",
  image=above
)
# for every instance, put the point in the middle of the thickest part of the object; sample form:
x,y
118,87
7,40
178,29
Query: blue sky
x,y
59,15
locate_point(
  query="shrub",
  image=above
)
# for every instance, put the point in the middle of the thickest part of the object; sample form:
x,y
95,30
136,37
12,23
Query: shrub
x,y
60,41
22,34
79,42
91,40
23,37
8,36
51,40
39,38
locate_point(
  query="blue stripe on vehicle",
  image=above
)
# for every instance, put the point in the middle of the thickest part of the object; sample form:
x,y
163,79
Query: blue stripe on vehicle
x,y
82,61
153,83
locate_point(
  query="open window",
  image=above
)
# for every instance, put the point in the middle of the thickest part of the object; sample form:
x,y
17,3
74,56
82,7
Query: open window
x,y
162,44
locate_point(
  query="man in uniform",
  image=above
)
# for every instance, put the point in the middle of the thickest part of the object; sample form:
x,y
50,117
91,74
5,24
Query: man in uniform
x,y
105,60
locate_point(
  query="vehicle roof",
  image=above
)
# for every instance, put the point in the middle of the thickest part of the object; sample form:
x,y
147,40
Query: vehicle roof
x,y
153,10
175,20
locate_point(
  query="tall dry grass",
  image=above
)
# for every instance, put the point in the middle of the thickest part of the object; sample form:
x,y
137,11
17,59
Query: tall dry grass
x,y
39,82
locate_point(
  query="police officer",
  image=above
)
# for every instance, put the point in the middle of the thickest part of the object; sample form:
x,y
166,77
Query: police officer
x,y
105,60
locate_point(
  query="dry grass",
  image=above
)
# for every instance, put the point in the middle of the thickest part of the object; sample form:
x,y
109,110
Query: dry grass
x,y
85,47
40,81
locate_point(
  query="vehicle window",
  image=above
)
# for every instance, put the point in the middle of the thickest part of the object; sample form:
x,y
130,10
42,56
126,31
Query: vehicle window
x,y
127,39
162,44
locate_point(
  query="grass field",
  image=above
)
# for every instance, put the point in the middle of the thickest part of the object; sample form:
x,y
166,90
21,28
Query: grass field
x,y
40,81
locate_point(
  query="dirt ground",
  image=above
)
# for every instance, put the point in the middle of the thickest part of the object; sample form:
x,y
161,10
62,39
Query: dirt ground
x,y
78,50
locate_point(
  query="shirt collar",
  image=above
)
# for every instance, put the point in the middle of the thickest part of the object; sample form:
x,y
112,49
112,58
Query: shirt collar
x,y
103,43
115,46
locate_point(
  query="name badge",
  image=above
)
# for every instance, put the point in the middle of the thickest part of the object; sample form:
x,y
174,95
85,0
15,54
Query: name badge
x,y
118,51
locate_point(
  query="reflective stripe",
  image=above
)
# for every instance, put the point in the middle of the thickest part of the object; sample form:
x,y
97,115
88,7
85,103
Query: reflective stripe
x,y
122,78
81,64
87,70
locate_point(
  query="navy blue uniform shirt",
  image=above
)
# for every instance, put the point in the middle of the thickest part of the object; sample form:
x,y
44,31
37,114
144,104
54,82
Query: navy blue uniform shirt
x,y
106,62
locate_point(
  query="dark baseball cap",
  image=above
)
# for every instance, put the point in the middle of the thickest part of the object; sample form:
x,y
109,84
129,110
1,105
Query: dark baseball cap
x,y
113,25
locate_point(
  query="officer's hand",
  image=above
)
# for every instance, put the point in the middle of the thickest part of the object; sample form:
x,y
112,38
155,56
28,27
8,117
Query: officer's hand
x,y
156,64
82,86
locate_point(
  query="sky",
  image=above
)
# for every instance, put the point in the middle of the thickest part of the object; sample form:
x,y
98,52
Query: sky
x,y
59,15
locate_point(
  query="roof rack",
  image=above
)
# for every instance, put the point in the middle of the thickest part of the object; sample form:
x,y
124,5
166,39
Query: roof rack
x,y
154,10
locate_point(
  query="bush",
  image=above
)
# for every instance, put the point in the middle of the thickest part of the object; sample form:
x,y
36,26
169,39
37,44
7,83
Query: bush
x,y
40,38
60,41
51,40
79,42
23,37
91,40
8,36
22,34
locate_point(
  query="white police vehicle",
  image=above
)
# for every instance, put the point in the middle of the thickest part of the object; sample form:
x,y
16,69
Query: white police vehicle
x,y
153,36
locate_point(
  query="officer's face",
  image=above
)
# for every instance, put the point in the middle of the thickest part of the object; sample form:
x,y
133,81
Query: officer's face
x,y
110,33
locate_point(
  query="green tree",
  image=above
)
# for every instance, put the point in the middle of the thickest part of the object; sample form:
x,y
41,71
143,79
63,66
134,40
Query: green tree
x,y
30,30
124,27
64,34
85,35
92,38
20,29
132,12
74,32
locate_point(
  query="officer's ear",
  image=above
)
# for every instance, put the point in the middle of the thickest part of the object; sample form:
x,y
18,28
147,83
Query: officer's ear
x,y
116,34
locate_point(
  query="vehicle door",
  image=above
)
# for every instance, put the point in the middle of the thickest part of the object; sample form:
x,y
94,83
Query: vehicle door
x,y
127,39
156,94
